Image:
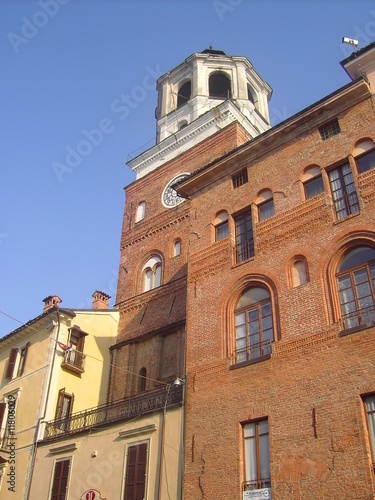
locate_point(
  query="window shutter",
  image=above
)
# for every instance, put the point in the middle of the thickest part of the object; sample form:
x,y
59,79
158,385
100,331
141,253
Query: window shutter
x,y
24,359
60,401
11,363
130,473
141,471
136,472
60,480
2,413
81,343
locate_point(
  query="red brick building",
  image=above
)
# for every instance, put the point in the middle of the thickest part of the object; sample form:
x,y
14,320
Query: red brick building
x,y
208,106
248,271
280,352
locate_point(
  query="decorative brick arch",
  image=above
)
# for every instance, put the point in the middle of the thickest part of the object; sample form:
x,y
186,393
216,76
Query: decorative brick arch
x,y
230,298
292,262
138,285
362,145
330,265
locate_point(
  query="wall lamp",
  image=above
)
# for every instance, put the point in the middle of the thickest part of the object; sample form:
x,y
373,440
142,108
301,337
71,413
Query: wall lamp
x,y
179,381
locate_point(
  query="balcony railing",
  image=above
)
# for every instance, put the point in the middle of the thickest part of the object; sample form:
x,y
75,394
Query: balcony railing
x,y
244,250
74,360
252,352
124,409
362,318
5,439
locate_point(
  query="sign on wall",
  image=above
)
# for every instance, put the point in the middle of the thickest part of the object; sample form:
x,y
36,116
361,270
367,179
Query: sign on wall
x,y
262,494
92,495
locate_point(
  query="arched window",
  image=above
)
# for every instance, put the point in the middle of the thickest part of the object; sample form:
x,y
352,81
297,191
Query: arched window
x,y
364,155
177,247
140,215
312,182
265,205
253,322
356,286
219,85
184,94
142,380
221,225
250,94
152,272
299,271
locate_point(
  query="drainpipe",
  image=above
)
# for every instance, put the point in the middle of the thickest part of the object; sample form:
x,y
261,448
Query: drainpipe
x,y
183,436
162,442
40,419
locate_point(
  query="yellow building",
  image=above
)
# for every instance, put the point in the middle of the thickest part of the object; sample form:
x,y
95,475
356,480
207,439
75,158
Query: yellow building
x,y
53,365
113,451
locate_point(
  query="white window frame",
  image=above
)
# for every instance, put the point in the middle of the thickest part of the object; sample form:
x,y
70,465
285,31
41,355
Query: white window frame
x,y
16,394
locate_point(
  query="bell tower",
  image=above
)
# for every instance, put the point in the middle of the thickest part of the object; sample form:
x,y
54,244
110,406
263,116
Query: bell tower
x,y
203,82
199,97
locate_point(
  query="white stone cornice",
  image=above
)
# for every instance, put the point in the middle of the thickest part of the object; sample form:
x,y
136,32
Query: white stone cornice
x,y
206,125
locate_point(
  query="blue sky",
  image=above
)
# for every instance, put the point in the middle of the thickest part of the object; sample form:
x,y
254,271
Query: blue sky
x,y
65,67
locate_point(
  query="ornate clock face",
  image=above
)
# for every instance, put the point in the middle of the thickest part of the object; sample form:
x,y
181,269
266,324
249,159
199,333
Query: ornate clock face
x,y
170,197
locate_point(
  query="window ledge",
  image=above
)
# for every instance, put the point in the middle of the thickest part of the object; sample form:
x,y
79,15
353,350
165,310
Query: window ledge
x,y
63,449
350,216
250,259
72,368
147,429
250,362
355,329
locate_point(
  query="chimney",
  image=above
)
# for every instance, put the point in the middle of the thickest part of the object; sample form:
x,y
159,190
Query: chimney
x,y
51,301
100,300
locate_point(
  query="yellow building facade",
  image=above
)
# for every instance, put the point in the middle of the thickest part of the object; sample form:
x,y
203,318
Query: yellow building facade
x,y
55,364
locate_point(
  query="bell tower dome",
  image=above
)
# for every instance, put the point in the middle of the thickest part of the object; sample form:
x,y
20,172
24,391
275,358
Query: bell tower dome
x,y
198,98
202,82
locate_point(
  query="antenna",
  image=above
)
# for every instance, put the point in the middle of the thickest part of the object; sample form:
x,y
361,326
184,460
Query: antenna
x,y
350,41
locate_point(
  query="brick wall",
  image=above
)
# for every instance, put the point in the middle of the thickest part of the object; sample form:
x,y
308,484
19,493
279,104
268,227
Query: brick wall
x,y
146,318
312,369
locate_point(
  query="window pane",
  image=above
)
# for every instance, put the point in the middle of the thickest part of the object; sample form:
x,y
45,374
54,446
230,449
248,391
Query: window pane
x,y
355,289
157,277
177,248
329,129
140,211
253,319
252,296
356,257
249,430
266,210
299,275
314,187
239,319
148,280
350,188
222,231
250,453
370,409
366,162
240,178
265,466
343,191
257,455
244,237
